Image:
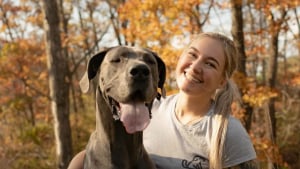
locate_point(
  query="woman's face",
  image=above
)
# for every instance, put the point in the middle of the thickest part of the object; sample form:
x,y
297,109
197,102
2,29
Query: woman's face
x,y
200,68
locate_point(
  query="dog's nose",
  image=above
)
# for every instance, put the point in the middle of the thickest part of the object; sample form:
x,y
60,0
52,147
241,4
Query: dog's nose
x,y
139,72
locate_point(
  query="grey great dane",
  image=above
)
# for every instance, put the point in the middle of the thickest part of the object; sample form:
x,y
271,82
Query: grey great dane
x,y
128,80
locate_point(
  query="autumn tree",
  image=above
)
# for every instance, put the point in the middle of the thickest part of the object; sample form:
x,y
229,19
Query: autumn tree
x,y
59,84
266,25
24,94
238,38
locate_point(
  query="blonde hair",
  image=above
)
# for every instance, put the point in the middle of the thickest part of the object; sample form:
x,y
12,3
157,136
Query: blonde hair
x,y
223,100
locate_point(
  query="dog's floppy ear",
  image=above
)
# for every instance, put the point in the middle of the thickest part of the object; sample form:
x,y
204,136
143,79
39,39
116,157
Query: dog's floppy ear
x,y
92,69
162,74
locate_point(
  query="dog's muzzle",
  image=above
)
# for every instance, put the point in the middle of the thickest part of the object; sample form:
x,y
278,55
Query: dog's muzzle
x,y
135,116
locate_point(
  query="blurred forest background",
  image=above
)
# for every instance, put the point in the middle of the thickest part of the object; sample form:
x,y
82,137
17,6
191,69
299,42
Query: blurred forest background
x,y
45,45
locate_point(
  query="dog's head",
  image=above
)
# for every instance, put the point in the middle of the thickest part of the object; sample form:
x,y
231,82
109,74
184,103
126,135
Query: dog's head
x,y
128,78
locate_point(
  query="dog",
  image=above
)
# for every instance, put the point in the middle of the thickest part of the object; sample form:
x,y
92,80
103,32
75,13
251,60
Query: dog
x,y
128,80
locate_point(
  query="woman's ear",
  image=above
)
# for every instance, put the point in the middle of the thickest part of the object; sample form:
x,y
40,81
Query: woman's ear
x,y
223,83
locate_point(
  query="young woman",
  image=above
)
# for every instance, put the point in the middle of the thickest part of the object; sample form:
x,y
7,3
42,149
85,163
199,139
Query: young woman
x,y
194,129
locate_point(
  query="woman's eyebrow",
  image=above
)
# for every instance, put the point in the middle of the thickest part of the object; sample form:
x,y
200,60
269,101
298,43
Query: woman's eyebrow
x,y
208,56
194,49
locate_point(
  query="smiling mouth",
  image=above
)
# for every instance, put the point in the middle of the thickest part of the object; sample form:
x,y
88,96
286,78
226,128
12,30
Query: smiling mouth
x,y
192,78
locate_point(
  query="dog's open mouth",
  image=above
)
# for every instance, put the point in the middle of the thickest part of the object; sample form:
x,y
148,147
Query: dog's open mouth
x,y
135,116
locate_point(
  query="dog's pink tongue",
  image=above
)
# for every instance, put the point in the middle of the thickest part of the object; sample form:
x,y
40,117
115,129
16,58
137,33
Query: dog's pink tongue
x,y
135,116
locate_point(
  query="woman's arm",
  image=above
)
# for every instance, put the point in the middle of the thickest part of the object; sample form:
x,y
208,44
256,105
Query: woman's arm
x,y
77,161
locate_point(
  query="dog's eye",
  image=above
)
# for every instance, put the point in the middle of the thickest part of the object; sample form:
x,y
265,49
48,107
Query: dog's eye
x,y
115,60
149,60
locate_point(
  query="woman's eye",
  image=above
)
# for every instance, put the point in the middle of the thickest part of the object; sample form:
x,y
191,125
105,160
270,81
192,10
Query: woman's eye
x,y
192,55
210,64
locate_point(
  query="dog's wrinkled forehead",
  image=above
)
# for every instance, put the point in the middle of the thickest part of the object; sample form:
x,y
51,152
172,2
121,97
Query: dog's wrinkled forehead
x,y
128,52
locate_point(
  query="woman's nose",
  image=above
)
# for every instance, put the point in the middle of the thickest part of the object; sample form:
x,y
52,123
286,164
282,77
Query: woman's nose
x,y
196,66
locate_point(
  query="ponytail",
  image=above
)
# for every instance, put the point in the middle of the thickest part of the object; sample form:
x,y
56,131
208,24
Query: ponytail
x,y
223,100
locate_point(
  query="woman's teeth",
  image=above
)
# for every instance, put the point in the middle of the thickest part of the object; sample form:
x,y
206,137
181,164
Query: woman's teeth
x,y
192,78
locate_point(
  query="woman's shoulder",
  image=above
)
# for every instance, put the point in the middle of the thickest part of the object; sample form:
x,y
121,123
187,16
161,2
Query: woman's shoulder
x,y
166,98
162,105
236,129
164,101
238,144
235,126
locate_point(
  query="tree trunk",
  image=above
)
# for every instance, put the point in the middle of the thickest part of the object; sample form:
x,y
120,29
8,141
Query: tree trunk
x,y
275,28
58,84
271,78
238,38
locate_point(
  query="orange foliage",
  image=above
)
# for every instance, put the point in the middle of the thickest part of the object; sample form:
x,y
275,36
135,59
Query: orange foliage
x,y
296,80
24,103
150,21
156,21
23,77
266,150
257,96
252,93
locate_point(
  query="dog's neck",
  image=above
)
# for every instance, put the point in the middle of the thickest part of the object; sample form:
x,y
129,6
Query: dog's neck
x,y
123,146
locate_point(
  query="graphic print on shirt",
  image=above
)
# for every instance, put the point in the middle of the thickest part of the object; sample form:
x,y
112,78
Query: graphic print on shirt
x,y
198,162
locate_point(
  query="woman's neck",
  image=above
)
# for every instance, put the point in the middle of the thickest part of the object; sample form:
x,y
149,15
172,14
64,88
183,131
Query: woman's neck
x,y
190,109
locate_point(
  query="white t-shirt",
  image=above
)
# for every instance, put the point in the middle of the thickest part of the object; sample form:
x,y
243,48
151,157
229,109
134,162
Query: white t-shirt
x,y
172,145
